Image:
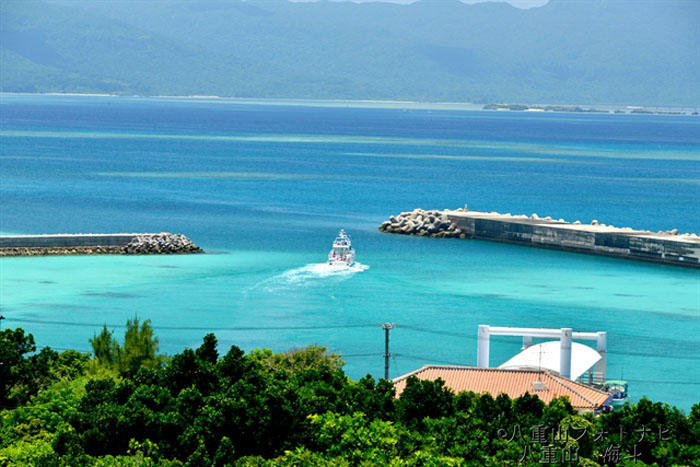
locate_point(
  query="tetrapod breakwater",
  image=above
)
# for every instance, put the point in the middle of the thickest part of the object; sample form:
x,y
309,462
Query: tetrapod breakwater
x,y
163,243
667,247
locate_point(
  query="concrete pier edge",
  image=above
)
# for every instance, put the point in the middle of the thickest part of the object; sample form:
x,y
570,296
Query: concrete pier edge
x,y
595,238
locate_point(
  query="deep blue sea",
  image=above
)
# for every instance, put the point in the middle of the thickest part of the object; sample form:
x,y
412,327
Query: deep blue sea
x,y
265,186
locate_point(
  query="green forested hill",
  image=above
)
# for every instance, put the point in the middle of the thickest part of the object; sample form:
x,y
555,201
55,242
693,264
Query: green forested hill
x,y
597,52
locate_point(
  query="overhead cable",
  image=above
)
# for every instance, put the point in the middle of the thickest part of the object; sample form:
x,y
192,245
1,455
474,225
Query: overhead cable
x,y
195,328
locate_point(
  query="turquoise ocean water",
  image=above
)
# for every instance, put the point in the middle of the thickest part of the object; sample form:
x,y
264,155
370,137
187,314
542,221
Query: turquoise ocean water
x,y
264,187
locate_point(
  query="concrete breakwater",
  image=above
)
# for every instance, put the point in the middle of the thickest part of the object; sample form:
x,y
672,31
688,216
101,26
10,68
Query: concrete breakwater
x,y
594,238
97,244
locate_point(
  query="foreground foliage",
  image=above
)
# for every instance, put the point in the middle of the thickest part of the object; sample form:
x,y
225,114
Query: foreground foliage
x,y
130,406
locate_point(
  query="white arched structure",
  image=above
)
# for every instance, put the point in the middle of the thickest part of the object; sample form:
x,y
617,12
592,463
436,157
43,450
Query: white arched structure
x,y
547,356
565,336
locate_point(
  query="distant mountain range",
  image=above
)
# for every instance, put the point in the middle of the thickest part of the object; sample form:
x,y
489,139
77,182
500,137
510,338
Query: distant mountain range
x,y
587,52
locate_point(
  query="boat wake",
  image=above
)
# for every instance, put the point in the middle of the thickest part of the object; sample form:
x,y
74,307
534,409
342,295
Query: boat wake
x,y
309,275
320,271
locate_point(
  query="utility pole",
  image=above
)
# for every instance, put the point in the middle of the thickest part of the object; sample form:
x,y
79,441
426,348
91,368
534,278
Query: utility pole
x,y
387,328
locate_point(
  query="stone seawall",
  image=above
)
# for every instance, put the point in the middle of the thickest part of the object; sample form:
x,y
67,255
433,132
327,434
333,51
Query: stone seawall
x,y
595,238
97,244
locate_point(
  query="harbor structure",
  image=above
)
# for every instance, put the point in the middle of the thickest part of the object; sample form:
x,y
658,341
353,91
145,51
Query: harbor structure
x,y
96,244
555,358
595,238
548,369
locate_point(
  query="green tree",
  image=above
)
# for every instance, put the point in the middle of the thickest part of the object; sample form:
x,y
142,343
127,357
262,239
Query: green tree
x,y
106,349
356,438
23,374
207,351
225,454
199,458
422,399
375,400
140,347
139,350
14,344
36,452
312,357
296,408
231,367
194,368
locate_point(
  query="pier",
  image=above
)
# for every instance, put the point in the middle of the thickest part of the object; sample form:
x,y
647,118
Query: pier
x,y
595,238
97,244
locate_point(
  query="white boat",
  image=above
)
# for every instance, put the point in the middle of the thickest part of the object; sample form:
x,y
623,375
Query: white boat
x,y
617,388
342,253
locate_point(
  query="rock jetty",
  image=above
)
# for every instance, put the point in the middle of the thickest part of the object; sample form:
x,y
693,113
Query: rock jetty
x,y
422,223
667,247
160,244
163,243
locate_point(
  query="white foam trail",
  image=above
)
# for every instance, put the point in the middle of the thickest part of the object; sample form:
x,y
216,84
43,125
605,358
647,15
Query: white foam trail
x,y
319,271
308,275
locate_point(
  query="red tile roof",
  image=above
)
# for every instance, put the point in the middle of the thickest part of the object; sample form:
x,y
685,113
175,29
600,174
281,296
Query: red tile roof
x,y
514,383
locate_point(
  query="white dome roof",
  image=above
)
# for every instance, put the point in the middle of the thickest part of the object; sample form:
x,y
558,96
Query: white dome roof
x,y
546,356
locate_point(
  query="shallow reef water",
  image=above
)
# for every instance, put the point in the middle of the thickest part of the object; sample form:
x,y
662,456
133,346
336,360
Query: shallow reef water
x,y
265,188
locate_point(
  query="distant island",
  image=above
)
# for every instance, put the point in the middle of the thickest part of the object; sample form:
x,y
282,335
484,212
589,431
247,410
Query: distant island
x,y
583,109
406,105
612,52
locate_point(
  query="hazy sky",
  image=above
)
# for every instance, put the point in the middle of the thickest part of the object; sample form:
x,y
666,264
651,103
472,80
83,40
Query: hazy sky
x,y
515,3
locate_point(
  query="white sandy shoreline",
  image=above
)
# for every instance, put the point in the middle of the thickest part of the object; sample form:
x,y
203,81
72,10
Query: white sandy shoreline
x,y
379,103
